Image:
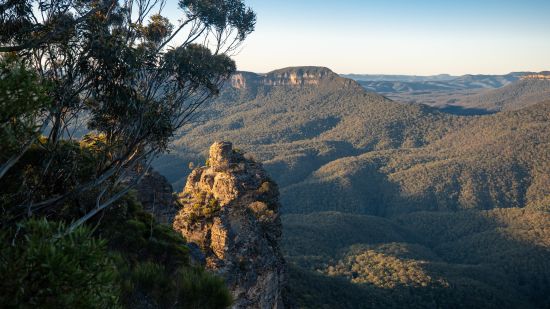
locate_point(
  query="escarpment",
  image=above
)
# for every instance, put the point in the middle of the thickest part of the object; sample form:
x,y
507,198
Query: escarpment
x,y
294,77
230,209
545,75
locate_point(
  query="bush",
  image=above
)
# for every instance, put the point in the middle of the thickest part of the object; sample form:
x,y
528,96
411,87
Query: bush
x,y
42,266
23,96
200,289
188,287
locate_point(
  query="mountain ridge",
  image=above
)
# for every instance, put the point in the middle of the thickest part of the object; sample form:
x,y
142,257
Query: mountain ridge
x,y
522,93
290,76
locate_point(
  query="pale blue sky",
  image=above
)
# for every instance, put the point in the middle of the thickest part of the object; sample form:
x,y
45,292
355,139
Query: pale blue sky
x,y
400,37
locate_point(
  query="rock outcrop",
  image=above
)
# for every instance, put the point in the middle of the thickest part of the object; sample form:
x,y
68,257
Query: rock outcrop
x,y
156,195
537,76
230,209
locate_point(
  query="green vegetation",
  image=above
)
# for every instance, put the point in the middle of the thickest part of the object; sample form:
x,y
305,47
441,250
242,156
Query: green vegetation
x,y
154,265
204,206
128,260
494,259
187,287
23,97
333,147
43,266
199,289
90,93
432,209
496,161
106,69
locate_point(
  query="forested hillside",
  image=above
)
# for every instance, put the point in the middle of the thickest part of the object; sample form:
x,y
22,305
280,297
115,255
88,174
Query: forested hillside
x,y
496,161
332,146
471,259
514,96
295,129
391,203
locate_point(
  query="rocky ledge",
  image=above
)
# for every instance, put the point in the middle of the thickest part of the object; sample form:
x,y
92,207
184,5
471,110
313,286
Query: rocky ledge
x,y
230,209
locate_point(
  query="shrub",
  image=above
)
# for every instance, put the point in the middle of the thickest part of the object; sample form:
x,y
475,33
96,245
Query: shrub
x,y
187,287
200,289
42,266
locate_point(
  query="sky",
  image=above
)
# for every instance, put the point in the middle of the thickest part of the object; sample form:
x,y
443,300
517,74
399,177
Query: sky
x,y
414,37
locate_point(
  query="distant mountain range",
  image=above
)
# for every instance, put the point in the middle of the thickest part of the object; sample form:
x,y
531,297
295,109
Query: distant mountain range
x,y
399,83
514,96
399,78
463,95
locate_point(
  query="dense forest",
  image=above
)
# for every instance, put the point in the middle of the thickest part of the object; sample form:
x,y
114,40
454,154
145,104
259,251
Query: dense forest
x,y
491,259
334,146
494,161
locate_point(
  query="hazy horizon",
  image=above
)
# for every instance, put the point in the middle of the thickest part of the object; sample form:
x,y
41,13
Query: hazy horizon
x,y
400,37
392,74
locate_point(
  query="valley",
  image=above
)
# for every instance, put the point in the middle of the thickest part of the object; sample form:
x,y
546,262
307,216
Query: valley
x,y
209,154
442,204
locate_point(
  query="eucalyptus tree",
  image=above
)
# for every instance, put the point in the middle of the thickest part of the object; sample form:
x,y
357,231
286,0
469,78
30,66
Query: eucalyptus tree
x,y
123,70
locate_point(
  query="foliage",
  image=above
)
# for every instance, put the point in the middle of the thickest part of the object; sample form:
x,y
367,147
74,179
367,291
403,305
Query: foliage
x,y
43,266
496,259
23,98
128,260
153,262
24,183
199,289
90,92
204,206
310,289
134,233
109,68
187,287
135,262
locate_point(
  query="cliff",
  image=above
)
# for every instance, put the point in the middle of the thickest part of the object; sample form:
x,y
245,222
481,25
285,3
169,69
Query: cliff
x,y
537,76
292,77
230,209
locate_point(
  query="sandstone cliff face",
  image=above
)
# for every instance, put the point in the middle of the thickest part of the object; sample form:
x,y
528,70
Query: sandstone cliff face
x,y
537,76
230,209
291,77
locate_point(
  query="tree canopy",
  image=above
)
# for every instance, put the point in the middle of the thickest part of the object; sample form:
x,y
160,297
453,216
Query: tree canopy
x,y
118,72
